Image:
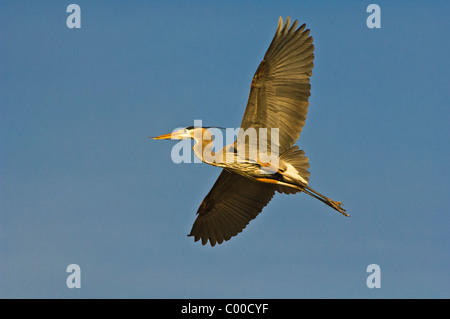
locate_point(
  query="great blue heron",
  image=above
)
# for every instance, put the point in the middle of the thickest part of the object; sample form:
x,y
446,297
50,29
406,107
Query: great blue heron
x,y
278,99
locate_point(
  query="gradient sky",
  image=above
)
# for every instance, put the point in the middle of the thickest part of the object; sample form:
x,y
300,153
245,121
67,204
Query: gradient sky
x,y
80,182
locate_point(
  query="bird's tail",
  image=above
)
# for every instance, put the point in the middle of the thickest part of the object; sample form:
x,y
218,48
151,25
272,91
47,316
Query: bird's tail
x,y
298,160
294,163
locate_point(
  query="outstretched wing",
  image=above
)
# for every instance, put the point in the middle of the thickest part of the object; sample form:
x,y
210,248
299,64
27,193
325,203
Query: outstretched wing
x,y
280,87
231,204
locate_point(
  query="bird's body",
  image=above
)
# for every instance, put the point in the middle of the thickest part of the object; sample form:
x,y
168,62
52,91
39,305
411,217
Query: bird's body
x,y
253,169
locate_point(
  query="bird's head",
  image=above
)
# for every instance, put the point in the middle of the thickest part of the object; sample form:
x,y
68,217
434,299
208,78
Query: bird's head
x,y
190,132
178,134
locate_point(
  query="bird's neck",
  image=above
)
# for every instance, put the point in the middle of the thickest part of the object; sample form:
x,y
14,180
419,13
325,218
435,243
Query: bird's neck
x,y
203,150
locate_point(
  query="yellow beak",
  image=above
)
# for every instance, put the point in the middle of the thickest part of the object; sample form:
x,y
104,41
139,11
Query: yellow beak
x,y
162,137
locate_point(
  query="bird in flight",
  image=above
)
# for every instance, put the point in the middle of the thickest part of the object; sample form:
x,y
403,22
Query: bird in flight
x,y
276,111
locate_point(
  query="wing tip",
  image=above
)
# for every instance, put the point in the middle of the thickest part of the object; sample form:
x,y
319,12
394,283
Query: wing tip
x,y
213,241
280,24
285,26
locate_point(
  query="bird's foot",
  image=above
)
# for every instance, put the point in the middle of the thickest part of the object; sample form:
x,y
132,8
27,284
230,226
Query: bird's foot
x,y
338,206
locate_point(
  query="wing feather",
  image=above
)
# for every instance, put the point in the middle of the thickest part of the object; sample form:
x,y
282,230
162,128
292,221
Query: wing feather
x,y
280,88
231,204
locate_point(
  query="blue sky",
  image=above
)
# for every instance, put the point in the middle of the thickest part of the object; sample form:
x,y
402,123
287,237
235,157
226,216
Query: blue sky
x,y
80,182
